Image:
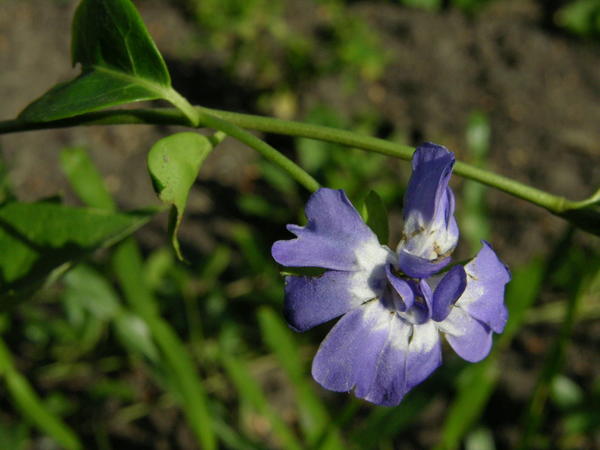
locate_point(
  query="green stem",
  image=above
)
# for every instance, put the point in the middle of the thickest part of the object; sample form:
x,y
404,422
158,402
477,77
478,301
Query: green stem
x,y
181,103
266,124
234,124
299,174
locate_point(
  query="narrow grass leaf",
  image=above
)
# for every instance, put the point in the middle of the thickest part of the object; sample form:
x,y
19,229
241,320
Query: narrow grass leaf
x,y
85,179
314,418
251,392
585,280
174,356
31,406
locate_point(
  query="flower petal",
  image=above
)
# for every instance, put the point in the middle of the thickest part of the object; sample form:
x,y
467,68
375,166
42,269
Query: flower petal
x,y
400,287
417,267
484,295
426,193
370,349
449,289
331,239
424,354
349,352
310,301
430,230
469,337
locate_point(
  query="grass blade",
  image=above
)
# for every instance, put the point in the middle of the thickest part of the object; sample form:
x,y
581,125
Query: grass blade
x,y
175,356
314,418
31,406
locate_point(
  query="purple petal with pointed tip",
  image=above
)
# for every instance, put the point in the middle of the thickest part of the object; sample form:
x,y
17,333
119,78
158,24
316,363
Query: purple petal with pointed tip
x,y
449,289
470,339
330,239
426,193
430,230
483,297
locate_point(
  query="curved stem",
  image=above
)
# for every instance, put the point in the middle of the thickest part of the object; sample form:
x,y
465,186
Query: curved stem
x,y
270,153
234,124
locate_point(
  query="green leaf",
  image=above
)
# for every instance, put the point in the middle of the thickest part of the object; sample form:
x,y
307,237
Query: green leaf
x,y
31,406
39,238
581,17
251,392
120,64
88,288
587,218
111,33
174,358
375,214
173,163
314,418
135,335
85,179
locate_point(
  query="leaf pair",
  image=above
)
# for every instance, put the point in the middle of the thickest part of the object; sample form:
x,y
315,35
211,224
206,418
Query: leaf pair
x,y
121,64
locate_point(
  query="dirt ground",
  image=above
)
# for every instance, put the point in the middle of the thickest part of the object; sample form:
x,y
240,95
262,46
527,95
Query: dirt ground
x,y
540,89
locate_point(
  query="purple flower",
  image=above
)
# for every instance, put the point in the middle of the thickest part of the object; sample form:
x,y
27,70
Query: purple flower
x,y
394,305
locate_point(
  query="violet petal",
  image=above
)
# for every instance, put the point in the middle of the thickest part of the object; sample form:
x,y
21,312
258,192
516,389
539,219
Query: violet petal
x,y
331,238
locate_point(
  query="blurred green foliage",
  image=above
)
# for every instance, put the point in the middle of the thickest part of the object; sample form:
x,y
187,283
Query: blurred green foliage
x,y
580,17
257,39
133,349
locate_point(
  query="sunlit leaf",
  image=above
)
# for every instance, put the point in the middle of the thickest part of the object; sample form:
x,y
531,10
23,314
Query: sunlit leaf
x,y
119,62
173,163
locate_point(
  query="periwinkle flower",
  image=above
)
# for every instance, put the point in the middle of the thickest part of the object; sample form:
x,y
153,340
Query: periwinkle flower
x,y
394,305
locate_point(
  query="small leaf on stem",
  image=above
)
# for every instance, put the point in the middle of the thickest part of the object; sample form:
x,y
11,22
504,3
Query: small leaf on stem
x,y
173,163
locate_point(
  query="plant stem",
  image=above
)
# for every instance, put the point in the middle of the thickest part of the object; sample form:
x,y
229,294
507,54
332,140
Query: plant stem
x,y
270,153
234,124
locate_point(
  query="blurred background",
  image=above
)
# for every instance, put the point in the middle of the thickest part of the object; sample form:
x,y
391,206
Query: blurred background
x,y
512,86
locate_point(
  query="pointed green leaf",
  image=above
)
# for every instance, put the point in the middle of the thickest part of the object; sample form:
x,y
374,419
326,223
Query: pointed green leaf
x,y
111,34
173,163
39,238
120,64
375,214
